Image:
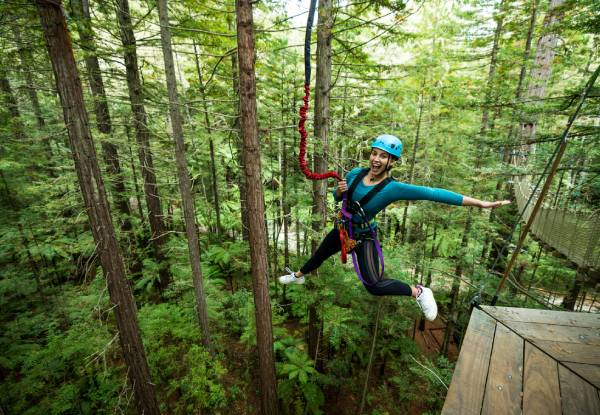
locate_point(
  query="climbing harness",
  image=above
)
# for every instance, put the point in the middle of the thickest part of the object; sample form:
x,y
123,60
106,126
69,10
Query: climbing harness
x,y
349,208
346,224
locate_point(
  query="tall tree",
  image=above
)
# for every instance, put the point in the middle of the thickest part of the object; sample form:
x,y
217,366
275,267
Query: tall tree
x,y
185,185
542,65
322,119
96,203
255,203
140,120
110,152
235,83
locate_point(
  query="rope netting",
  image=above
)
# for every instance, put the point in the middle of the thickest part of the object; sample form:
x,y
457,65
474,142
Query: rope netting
x,y
573,234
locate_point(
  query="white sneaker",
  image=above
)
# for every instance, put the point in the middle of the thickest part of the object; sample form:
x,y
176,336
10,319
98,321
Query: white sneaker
x,y
291,278
427,303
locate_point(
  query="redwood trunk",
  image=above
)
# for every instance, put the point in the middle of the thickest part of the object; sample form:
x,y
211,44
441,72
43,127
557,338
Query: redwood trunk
x,y
185,185
96,203
140,120
235,81
322,95
257,235
103,122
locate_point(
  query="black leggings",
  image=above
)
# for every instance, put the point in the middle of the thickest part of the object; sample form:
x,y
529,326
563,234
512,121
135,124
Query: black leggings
x,y
368,263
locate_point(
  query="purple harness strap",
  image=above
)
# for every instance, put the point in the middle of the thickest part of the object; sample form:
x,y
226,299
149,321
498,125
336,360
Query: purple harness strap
x,y
348,216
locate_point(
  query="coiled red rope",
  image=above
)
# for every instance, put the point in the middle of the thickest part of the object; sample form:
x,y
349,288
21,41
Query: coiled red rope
x,y
347,245
302,155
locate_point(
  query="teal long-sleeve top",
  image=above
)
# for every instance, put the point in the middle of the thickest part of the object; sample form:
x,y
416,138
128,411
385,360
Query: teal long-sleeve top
x,y
394,192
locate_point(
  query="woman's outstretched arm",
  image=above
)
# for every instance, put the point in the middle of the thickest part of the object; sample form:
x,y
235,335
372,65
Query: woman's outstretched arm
x,y
470,201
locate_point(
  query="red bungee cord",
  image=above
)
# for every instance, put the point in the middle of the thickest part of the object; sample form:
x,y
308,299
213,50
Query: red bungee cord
x,y
301,156
346,242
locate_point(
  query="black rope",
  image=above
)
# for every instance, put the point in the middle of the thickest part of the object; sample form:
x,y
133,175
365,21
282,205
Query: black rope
x,y
311,17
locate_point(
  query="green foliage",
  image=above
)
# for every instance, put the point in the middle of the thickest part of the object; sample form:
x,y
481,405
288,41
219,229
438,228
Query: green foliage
x,y
299,386
179,364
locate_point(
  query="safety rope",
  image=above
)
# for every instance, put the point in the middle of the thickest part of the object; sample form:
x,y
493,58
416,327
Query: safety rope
x,y
304,108
346,238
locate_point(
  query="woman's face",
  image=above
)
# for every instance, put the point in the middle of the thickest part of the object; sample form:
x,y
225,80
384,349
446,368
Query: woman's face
x,y
379,161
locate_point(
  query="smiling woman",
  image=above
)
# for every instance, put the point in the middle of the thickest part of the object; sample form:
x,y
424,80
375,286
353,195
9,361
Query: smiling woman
x,y
369,191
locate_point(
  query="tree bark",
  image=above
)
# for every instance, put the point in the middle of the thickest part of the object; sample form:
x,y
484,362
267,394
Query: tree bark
x,y
96,203
257,236
136,97
110,152
185,185
322,94
413,160
235,81
285,204
542,66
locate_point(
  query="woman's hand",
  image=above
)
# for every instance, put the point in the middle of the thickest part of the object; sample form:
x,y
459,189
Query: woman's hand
x,y
341,188
494,205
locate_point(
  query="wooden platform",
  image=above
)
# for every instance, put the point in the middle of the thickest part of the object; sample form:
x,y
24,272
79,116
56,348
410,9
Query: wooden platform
x,y
525,361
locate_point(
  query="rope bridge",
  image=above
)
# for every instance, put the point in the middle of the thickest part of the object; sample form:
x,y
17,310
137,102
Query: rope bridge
x,y
575,235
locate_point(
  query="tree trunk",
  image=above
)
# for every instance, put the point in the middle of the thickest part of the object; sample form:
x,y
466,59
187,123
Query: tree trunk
x,y
322,94
185,186
109,151
211,146
455,291
255,203
134,174
571,298
94,195
240,145
136,97
285,204
413,161
542,66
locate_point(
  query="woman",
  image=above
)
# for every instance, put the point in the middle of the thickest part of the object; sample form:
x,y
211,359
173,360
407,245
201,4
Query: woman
x,y
385,151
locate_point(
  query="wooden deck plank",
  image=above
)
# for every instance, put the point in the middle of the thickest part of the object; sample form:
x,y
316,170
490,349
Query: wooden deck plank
x,y
541,392
577,396
570,352
566,334
591,373
505,377
563,318
465,396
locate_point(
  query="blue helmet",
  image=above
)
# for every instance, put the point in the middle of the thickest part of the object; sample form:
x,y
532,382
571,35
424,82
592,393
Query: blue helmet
x,y
388,143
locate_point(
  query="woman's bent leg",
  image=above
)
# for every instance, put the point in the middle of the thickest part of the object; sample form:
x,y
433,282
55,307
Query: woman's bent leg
x,y
368,263
329,246
389,287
